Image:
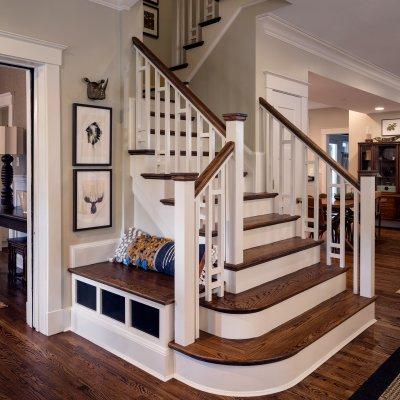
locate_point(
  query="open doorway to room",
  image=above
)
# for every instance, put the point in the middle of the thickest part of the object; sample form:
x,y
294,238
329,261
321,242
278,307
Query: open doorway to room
x,y
16,186
338,149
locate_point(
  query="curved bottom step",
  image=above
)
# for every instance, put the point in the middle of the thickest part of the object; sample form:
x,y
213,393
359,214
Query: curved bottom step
x,y
218,373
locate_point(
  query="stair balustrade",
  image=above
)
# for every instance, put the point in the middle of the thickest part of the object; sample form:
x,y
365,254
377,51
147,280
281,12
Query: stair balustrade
x,y
350,204
189,15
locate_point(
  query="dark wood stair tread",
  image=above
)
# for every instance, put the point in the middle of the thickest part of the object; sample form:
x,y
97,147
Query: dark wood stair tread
x,y
246,197
172,133
172,116
152,152
261,221
178,67
210,22
158,176
190,46
272,251
274,292
281,343
147,284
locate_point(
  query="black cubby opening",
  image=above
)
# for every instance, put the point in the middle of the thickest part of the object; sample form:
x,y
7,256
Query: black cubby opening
x,y
86,295
145,318
113,305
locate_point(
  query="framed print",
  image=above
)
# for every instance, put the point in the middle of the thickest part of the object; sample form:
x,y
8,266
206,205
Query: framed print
x,y
92,135
390,127
92,199
151,21
153,2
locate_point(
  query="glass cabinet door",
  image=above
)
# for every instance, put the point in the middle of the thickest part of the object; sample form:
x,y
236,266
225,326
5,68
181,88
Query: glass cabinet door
x,y
366,157
387,160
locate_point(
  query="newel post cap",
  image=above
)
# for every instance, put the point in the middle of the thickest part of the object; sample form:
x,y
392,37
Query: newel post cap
x,y
184,176
235,117
366,173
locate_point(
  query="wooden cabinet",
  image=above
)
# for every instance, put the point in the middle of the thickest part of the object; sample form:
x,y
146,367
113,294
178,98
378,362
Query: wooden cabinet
x,y
384,157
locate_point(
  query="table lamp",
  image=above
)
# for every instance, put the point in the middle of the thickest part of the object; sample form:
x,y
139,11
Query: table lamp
x,y
12,142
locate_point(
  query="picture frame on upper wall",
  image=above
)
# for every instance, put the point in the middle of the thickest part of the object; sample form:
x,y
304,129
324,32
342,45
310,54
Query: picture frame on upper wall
x,y
391,127
92,199
151,23
92,136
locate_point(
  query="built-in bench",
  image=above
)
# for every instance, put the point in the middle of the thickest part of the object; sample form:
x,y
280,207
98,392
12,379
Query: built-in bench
x,y
127,311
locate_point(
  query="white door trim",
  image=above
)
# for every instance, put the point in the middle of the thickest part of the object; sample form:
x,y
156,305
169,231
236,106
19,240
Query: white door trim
x,y
46,59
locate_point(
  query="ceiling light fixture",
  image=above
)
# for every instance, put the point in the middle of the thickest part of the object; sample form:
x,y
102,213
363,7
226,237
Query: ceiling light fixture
x,y
379,108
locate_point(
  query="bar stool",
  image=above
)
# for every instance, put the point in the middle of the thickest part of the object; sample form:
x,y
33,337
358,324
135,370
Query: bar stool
x,y
17,246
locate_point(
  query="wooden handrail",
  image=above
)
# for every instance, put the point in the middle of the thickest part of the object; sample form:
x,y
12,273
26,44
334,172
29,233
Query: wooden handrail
x,y
213,168
310,143
208,114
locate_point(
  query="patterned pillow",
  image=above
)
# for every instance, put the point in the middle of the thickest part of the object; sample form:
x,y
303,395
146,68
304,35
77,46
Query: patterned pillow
x,y
121,252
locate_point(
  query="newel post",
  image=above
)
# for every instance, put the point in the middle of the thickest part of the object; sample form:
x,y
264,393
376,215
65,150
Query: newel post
x,y
185,259
367,233
235,189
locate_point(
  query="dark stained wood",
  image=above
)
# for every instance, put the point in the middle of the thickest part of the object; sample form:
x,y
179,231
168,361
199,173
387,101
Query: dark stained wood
x,y
246,197
219,125
172,116
14,219
147,284
261,221
193,45
274,292
68,367
281,343
142,152
184,176
235,117
179,67
272,251
165,177
212,168
210,22
172,133
310,143
368,173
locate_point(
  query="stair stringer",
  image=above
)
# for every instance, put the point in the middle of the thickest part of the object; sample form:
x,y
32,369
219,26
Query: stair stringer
x,y
274,377
149,214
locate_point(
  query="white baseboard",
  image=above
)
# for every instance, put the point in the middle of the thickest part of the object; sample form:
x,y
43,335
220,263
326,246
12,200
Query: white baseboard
x,y
58,321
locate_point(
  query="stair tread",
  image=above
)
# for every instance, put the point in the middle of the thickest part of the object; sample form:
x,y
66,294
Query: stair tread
x,y
172,153
273,292
193,45
248,196
172,116
178,67
281,343
272,251
147,284
210,21
172,133
261,221
154,175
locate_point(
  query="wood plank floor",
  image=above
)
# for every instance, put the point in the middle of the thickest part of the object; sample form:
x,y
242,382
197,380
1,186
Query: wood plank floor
x,y
66,366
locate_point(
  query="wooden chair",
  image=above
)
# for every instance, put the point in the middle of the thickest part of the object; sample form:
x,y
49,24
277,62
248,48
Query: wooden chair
x,y
17,246
322,216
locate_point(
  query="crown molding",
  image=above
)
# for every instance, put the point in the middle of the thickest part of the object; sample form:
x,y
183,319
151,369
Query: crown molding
x,y
119,5
282,30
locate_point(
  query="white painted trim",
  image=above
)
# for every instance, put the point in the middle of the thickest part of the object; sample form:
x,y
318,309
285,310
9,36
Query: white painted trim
x,y
26,48
119,5
294,369
45,58
6,100
285,84
91,253
282,30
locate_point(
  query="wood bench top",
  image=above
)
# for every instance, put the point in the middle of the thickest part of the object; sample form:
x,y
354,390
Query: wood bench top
x,y
150,285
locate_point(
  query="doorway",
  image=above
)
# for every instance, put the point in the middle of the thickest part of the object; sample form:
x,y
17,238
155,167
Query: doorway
x,y
338,149
16,212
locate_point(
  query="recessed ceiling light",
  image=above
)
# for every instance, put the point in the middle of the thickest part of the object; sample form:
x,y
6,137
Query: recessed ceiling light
x,y
379,108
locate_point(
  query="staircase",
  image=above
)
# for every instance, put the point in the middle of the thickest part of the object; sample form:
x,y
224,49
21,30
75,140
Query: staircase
x,y
270,309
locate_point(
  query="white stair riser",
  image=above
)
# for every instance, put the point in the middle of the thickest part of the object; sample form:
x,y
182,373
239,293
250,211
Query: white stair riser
x,y
246,326
259,380
268,234
182,143
253,208
237,282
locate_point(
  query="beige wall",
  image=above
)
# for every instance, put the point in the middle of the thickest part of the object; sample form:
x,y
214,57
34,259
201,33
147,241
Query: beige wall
x,y
163,46
93,35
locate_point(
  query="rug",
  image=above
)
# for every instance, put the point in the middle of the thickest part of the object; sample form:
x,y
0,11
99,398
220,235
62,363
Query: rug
x,y
2,305
384,383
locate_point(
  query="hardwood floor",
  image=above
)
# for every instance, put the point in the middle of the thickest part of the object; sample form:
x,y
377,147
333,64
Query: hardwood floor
x,y
66,366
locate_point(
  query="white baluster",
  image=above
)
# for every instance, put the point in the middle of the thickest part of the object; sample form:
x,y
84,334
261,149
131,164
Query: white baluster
x,y
167,126
199,141
147,83
188,115
342,228
209,224
367,234
356,248
304,195
328,215
139,97
292,195
235,189
271,187
221,234
157,119
281,168
316,197
177,129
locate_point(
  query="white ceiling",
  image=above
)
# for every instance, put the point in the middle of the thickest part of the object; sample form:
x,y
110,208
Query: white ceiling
x,y
369,29
325,92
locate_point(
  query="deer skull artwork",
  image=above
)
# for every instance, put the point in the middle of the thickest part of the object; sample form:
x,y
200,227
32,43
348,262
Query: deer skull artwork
x,y
96,90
